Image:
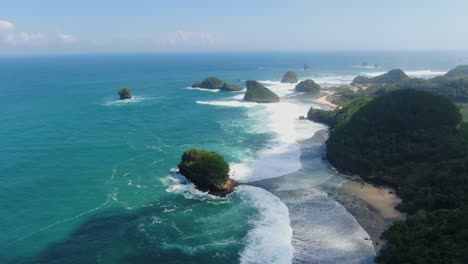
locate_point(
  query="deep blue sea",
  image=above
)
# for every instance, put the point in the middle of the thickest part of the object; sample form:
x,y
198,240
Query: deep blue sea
x,y
86,178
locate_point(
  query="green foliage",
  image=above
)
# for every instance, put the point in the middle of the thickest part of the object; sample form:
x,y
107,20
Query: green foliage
x,y
307,86
414,141
209,83
290,77
457,72
339,116
125,93
464,111
204,168
231,87
256,92
395,76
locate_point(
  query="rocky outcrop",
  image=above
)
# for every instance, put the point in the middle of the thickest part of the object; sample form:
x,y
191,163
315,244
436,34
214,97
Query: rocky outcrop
x,y
395,76
209,83
231,87
290,77
258,93
125,93
208,171
307,86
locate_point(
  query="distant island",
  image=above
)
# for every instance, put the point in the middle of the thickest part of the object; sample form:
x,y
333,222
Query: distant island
x,y
290,77
258,93
217,84
125,93
207,170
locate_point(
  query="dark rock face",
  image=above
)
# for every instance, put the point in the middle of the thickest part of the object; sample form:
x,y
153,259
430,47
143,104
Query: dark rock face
x,y
208,171
231,87
290,77
209,83
258,93
307,86
125,93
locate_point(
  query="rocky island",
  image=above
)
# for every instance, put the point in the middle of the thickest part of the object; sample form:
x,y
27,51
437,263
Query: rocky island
x,y
258,93
208,171
395,76
216,84
125,93
290,77
307,86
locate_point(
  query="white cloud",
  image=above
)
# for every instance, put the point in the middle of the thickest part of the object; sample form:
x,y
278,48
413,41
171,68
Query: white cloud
x,y
6,25
67,38
25,38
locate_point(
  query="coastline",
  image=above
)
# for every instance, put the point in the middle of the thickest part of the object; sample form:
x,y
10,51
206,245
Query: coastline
x,y
372,206
323,101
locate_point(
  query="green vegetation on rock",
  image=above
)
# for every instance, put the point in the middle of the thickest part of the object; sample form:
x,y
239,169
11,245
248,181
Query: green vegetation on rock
x,y
307,86
392,77
209,83
125,93
290,77
207,170
416,142
256,92
231,87
457,72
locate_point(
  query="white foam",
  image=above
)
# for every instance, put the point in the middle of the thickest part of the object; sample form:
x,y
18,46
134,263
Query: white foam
x,y
232,103
269,241
202,89
118,102
177,183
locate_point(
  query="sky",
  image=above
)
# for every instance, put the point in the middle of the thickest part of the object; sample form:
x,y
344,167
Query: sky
x,y
119,26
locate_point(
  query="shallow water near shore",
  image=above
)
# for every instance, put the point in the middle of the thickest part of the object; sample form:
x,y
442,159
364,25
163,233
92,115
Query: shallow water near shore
x,y
87,178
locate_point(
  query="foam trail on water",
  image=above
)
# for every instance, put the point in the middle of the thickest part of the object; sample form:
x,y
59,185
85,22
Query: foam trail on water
x,y
269,241
411,73
202,89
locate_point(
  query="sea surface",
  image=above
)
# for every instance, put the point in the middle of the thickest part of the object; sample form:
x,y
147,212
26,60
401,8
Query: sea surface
x,y
86,178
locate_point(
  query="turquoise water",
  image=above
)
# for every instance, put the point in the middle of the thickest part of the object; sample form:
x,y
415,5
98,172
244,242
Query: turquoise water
x,y
87,178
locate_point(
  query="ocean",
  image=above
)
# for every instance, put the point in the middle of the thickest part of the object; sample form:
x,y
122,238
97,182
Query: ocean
x,y
87,178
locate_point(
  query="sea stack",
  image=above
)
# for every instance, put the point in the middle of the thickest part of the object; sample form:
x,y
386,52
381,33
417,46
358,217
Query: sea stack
x,y
290,77
208,171
125,93
307,86
258,93
209,83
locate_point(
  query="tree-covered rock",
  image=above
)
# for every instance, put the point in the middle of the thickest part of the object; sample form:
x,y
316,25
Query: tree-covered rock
x,y
290,77
258,93
307,86
395,76
414,141
457,72
125,93
209,83
207,170
231,87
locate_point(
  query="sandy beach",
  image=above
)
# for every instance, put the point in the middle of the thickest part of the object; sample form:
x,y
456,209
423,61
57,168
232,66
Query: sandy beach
x,y
372,206
324,101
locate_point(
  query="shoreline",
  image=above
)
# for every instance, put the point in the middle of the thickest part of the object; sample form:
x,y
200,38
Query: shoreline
x,y
322,99
372,206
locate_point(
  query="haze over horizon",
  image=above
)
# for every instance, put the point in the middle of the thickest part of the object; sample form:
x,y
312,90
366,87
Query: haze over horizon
x,y
57,27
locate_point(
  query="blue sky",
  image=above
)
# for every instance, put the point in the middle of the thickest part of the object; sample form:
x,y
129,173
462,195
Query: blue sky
x,y
92,26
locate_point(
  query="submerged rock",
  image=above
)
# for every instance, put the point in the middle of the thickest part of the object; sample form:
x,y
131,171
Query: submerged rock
x,y
258,93
307,86
290,77
125,93
208,171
